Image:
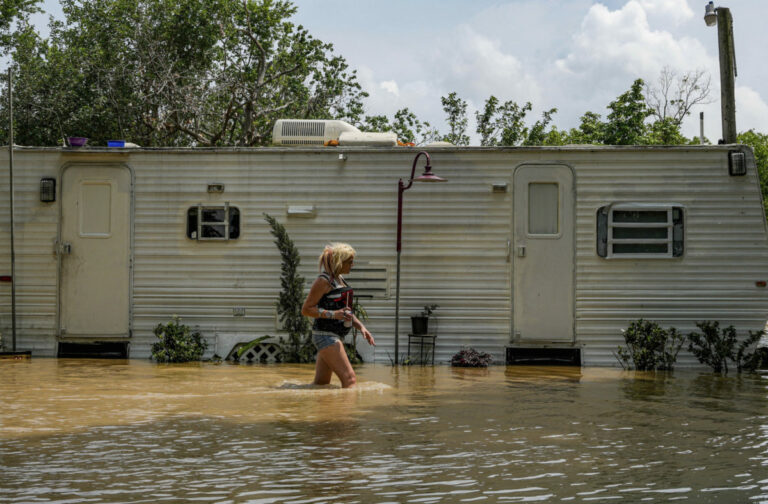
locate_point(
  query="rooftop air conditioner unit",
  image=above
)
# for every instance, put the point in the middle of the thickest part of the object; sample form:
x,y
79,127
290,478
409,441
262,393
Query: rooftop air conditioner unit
x,y
321,132
308,131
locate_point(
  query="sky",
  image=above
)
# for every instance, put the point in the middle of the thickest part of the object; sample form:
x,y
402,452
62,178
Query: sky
x,y
574,55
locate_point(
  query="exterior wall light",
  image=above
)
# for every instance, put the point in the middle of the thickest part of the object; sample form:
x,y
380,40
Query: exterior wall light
x,y
47,189
737,164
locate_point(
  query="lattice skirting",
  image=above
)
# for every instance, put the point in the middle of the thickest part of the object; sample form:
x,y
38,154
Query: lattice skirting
x,y
263,352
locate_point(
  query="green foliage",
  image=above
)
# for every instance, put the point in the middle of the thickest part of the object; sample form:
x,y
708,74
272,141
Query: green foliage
x,y
715,347
505,124
428,309
626,121
251,344
469,357
405,124
362,315
649,347
759,144
298,348
176,72
664,132
178,343
14,11
456,110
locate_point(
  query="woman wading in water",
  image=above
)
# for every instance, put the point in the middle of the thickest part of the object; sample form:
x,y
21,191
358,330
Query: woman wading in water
x,y
330,303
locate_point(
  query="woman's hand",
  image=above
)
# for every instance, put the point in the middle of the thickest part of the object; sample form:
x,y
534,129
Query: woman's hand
x,y
344,314
367,335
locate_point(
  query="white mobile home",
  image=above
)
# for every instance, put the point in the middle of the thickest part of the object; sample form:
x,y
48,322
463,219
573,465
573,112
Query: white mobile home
x,y
522,248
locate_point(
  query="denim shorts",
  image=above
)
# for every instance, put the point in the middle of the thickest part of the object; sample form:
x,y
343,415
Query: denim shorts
x,y
323,339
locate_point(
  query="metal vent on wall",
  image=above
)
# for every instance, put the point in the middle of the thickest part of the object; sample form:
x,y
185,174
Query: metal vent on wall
x,y
370,281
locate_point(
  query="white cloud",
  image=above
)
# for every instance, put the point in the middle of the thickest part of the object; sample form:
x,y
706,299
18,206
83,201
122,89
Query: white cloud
x,y
391,87
623,41
676,11
751,110
476,67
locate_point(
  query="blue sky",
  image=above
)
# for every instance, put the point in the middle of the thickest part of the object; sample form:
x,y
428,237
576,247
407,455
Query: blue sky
x,y
576,55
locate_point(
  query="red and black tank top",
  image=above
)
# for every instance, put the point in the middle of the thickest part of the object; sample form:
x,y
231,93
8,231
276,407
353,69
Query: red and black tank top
x,y
340,296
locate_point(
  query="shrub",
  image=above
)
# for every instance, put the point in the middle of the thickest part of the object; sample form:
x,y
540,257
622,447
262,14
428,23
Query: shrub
x,y
469,357
298,348
649,347
715,347
178,343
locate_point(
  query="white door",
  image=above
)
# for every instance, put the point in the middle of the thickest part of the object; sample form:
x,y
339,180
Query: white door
x,y
543,251
95,249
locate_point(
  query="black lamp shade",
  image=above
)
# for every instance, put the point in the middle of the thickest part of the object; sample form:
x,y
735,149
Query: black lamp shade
x,y
47,189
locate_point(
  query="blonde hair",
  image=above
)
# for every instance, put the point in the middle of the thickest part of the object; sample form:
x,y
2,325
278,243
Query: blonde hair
x,y
333,256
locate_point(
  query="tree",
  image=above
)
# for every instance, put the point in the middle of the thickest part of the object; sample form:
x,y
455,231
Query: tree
x,y
456,109
626,121
759,143
505,124
405,124
10,12
170,72
487,125
299,347
675,95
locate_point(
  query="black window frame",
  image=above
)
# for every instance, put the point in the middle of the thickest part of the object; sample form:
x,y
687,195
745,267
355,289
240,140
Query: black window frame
x,y
630,219
225,228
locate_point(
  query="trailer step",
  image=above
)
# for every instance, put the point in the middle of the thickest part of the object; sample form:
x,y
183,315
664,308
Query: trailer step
x,y
543,356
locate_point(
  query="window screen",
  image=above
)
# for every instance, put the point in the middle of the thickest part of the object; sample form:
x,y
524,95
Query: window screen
x,y
543,208
640,230
213,223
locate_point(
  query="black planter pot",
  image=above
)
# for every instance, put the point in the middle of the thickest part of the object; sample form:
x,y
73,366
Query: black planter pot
x,y
419,324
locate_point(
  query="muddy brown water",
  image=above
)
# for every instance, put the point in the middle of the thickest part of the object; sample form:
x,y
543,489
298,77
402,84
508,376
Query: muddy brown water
x,y
88,431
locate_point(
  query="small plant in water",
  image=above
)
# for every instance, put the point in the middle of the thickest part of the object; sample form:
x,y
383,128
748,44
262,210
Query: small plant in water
x,y
178,343
469,357
649,347
715,347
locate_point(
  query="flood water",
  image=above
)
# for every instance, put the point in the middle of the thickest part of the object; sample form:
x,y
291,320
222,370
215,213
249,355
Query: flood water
x,y
133,431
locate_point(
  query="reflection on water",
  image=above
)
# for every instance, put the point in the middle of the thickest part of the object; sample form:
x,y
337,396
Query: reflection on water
x,y
133,431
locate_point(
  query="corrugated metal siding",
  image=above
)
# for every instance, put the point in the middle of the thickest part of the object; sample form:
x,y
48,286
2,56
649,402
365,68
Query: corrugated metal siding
x,y
35,233
454,255
454,241
725,250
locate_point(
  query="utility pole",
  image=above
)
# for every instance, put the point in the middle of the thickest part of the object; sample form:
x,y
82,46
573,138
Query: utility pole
x,y
722,16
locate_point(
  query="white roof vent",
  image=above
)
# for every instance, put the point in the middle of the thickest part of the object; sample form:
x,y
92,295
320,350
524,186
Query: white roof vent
x,y
308,131
325,132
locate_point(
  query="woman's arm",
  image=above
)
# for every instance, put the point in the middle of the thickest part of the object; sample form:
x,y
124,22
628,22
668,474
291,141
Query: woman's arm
x,y
366,333
310,309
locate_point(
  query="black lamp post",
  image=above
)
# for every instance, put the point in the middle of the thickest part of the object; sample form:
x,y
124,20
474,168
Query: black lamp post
x,y
427,176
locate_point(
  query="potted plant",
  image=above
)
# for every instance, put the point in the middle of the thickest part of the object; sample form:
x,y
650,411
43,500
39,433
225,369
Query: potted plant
x,y
420,323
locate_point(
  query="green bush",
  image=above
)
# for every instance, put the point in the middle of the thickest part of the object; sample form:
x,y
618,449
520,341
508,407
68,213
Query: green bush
x,y
715,347
649,347
178,343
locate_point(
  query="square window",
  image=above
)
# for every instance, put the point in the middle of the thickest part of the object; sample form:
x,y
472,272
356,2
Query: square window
x,y
217,223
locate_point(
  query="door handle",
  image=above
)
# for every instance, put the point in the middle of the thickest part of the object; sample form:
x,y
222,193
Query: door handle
x,y
521,251
64,248
509,249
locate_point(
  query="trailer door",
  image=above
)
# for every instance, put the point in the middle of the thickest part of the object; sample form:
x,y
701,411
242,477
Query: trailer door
x,y
95,251
543,251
